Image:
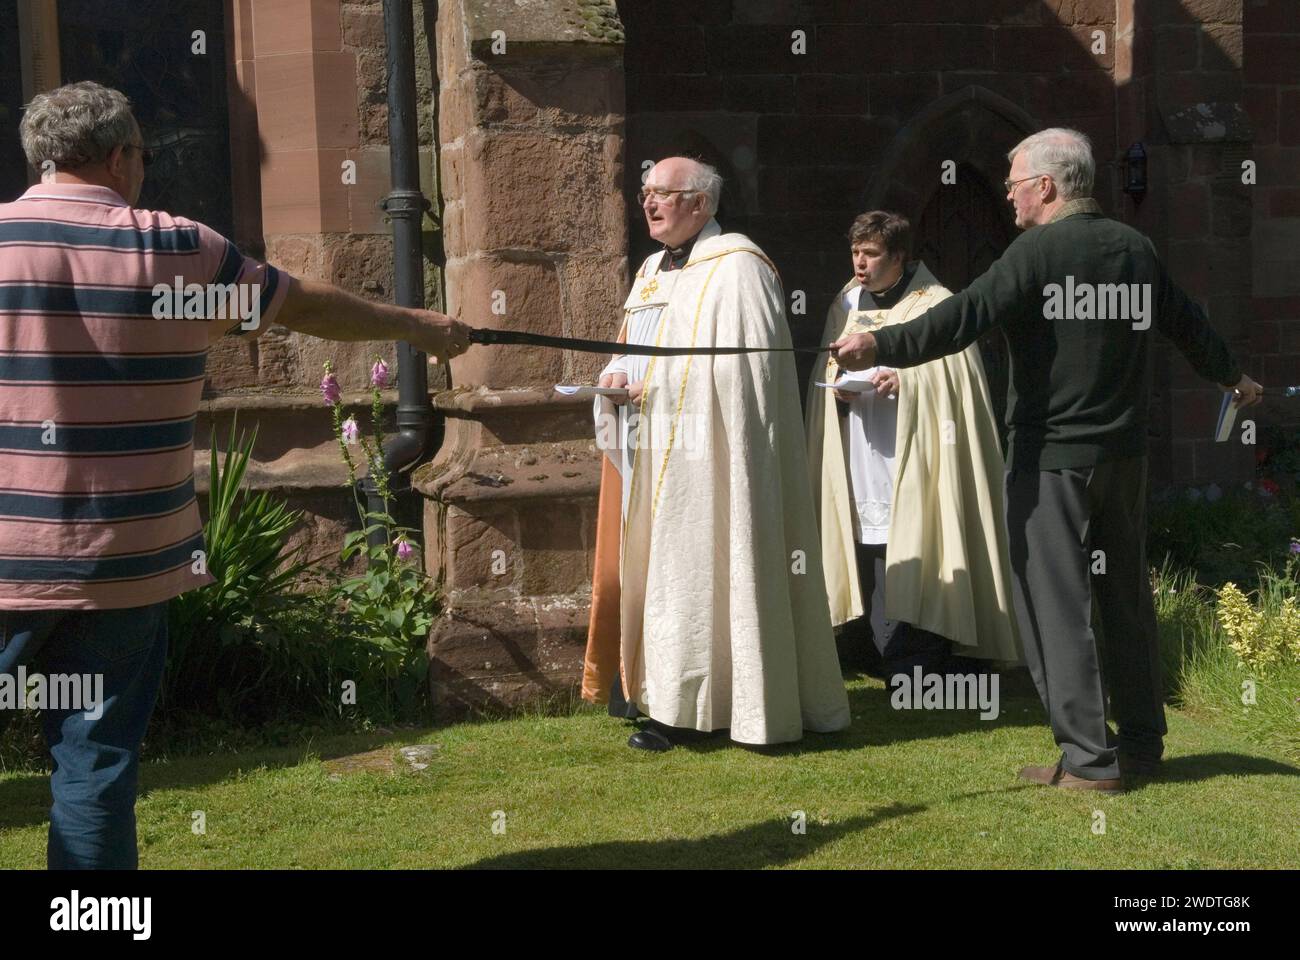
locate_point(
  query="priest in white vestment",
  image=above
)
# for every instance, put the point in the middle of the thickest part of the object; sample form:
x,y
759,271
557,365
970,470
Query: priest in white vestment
x,y
906,474
717,617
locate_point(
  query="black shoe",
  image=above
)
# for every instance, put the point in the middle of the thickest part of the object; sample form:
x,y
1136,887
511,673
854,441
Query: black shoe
x,y
647,738
1130,765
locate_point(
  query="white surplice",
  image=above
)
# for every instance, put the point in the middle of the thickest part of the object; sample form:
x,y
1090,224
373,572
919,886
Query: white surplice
x,y
869,431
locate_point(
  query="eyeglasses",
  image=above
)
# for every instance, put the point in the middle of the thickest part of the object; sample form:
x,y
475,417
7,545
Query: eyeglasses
x,y
658,194
146,155
1011,183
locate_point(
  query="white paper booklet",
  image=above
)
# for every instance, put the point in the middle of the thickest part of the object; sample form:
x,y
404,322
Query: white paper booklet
x,y
571,390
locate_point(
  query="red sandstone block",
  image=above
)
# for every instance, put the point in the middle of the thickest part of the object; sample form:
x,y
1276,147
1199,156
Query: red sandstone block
x,y
1189,211
851,48
643,13
1265,337
296,26
1193,11
1221,47
1285,309
660,47
831,94
945,11
1079,93
1085,12
1273,58
819,140
1183,90
1277,166
1288,113
767,49
552,557
1272,16
902,95
1261,105
1188,262
1194,412
1283,201
841,11
1279,371
653,92
1177,48
1289,337
1232,207
952,48
1182,458
759,94
363,27
1050,49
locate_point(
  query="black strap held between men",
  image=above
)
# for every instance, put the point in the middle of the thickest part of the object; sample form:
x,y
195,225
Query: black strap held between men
x,y
488,336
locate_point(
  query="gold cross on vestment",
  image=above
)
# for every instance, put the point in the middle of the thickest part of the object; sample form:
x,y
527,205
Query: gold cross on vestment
x,y
649,289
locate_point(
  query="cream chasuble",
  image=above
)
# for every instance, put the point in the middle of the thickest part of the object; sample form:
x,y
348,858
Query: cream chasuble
x,y
947,566
723,617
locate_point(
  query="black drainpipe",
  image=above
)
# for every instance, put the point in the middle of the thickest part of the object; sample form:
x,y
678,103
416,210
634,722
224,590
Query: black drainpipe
x,y
405,206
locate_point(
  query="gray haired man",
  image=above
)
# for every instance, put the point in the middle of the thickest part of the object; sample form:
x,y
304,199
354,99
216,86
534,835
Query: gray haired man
x,y
1077,295
98,520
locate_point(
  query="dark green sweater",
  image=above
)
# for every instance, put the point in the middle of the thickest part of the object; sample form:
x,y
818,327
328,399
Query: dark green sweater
x,y
1080,385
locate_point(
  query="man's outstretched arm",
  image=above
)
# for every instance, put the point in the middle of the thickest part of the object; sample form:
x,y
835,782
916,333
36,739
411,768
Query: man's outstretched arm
x,y
324,310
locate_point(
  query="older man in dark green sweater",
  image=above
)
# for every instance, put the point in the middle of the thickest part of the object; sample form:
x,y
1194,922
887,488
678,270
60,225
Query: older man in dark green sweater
x,y
1078,296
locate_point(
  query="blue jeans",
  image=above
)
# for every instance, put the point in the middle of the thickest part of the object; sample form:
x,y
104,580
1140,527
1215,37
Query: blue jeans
x,y
96,759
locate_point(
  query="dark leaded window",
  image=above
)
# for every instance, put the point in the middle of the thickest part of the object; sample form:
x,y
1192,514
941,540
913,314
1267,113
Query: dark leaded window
x,y
964,228
145,49
13,165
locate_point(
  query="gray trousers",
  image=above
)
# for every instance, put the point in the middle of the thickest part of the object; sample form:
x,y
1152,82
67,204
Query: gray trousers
x,y
1057,521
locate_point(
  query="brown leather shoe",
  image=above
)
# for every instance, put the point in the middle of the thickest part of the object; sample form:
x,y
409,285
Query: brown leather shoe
x,y
1057,777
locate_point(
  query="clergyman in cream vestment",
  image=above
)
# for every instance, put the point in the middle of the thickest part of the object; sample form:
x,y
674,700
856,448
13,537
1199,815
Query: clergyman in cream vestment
x,y
947,559
718,617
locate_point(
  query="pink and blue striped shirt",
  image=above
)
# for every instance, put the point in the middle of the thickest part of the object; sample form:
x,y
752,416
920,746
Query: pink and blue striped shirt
x,y
98,397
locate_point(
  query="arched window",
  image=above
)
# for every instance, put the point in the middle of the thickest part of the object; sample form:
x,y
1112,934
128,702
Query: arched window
x,y
964,228
146,49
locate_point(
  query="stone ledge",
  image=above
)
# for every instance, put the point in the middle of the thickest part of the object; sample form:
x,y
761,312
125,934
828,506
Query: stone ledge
x,y
539,26
295,450
507,654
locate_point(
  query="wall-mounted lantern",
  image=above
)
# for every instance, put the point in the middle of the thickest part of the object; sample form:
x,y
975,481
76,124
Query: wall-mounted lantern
x,y
1135,172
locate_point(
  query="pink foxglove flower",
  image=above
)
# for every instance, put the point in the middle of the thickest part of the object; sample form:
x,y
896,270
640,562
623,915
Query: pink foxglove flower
x,y
404,549
379,374
351,431
329,389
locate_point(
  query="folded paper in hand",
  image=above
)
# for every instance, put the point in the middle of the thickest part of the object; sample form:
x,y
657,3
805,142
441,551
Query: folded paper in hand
x,y
569,390
1227,417
849,386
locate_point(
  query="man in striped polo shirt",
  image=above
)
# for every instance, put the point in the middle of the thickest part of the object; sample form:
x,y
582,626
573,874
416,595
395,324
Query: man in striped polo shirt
x,y
106,316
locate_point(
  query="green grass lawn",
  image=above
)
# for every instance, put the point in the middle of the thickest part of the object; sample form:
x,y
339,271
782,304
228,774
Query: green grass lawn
x,y
899,789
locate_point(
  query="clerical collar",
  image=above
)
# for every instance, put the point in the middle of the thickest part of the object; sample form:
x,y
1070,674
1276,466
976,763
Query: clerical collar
x,y
886,299
676,257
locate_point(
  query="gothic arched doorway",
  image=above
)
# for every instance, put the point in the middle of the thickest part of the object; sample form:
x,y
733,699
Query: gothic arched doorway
x,y
963,229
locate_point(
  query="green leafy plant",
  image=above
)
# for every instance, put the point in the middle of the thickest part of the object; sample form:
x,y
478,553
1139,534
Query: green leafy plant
x,y
227,638
1223,539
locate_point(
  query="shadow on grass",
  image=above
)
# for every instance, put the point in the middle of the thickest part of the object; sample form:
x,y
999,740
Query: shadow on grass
x,y
769,843
1207,766
877,723
25,798
1190,769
